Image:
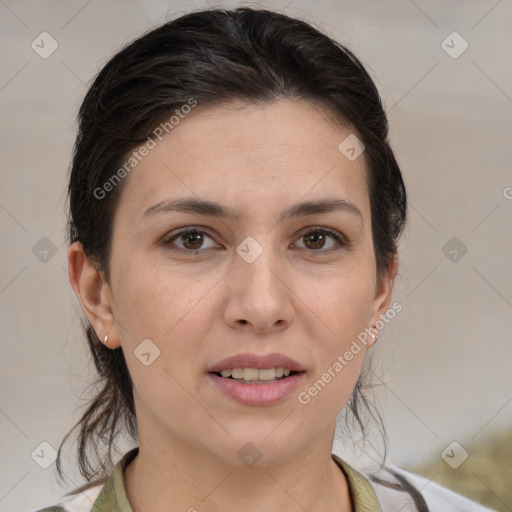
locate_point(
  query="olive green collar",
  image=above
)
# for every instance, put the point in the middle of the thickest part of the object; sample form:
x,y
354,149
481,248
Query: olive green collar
x,y
362,494
113,494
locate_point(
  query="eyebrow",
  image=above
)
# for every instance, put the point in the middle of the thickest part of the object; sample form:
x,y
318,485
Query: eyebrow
x,y
214,209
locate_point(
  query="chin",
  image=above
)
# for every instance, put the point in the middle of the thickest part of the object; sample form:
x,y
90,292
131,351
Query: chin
x,y
260,445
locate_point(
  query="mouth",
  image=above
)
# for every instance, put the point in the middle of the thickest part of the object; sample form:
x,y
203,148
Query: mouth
x,y
257,379
256,375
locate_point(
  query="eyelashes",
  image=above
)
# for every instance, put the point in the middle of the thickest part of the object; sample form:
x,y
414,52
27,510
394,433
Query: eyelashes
x,y
320,235
192,234
195,238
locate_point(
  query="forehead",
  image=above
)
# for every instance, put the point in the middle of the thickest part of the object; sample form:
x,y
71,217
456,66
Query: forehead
x,y
250,155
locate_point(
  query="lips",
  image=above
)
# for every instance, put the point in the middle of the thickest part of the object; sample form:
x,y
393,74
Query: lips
x,y
257,380
257,361
257,394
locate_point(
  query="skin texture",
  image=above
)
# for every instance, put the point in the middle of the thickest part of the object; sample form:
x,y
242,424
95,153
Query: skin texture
x,y
298,298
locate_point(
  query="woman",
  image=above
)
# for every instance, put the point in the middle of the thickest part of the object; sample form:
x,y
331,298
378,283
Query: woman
x,y
235,210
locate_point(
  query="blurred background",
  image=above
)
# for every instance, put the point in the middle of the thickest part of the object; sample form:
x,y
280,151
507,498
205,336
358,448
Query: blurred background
x,y
443,364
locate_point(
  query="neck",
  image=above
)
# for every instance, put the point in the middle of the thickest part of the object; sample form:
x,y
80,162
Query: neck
x,y
178,478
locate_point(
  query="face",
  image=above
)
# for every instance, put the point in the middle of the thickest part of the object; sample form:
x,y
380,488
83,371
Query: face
x,y
277,268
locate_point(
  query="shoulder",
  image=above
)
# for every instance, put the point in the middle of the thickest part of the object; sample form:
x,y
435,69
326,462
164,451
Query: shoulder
x,y
54,508
109,495
394,490
80,503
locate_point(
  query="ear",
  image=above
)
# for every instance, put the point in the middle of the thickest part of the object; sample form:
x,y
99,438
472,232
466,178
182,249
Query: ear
x,y
94,294
383,290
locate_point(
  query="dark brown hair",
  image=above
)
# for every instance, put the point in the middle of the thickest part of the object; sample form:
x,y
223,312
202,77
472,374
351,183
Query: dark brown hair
x,y
212,56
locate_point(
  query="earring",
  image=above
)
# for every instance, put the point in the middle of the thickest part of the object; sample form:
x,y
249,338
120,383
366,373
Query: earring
x,y
374,337
105,340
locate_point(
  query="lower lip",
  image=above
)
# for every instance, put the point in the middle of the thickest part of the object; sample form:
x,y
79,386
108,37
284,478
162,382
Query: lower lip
x,y
258,394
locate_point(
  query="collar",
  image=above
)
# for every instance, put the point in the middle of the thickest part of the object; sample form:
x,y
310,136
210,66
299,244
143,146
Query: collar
x,y
113,494
362,495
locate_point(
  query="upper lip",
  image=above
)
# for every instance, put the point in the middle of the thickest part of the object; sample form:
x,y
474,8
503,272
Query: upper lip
x,y
257,361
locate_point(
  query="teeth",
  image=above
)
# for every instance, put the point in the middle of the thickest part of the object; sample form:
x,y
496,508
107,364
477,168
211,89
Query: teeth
x,y
237,373
250,373
266,374
256,374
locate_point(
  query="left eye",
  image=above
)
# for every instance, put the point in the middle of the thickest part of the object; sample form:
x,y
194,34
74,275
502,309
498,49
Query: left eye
x,y
316,239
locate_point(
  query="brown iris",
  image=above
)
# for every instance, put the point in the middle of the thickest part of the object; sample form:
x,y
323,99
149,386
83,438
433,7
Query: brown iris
x,y
318,240
194,237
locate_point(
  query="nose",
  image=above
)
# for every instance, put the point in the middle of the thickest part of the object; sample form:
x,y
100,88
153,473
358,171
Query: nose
x,y
259,297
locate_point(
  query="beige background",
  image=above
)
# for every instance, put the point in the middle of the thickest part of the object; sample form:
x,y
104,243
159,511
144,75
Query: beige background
x,y
445,358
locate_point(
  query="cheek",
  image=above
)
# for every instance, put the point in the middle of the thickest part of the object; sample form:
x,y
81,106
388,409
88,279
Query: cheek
x,y
340,302
154,302
329,387
341,308
175,312
172,312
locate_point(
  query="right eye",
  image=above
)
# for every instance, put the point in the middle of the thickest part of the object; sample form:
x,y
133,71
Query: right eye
x,y
191,239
